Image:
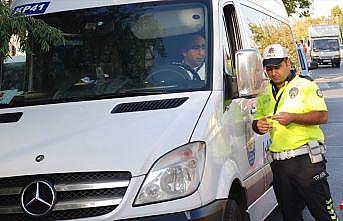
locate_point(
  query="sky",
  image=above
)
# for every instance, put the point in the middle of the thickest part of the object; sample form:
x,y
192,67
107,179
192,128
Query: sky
x,y
323,7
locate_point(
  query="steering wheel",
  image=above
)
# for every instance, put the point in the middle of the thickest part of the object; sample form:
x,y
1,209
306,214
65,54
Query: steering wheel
x,y
173,73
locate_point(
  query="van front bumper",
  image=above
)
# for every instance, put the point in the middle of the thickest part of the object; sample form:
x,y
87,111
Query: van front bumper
x,y
211,212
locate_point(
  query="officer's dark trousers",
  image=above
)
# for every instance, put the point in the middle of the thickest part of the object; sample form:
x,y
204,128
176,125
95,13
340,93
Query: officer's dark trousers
x,y
297,182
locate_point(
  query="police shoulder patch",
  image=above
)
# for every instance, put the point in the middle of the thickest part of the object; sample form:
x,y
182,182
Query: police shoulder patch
x,y
293,92
320,93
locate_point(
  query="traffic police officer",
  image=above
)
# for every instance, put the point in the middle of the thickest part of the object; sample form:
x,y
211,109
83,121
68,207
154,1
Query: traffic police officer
x,y
292,108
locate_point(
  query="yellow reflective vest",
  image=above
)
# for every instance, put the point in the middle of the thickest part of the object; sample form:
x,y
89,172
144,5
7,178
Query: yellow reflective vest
x,y
300,95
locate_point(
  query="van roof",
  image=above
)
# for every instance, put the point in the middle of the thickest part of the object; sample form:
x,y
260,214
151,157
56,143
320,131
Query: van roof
x,y
275,7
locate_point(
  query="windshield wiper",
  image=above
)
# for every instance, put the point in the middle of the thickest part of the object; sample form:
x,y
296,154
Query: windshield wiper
x,y
146,90
119,94
5,106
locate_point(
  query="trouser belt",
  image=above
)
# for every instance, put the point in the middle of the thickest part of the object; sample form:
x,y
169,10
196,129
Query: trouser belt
x,y
302,150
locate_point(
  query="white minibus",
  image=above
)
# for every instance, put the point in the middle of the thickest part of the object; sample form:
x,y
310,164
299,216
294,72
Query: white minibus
x,y
115,125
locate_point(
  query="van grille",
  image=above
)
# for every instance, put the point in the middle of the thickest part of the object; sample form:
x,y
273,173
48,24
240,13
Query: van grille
x,y
79,195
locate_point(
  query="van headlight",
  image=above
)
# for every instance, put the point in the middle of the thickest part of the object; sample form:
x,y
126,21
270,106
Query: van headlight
x,y
177,174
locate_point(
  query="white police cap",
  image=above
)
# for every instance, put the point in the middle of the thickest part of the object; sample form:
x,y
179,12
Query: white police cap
x,y
274,54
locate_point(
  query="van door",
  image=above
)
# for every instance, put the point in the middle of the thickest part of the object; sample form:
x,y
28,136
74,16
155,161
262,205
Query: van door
x,y
247,147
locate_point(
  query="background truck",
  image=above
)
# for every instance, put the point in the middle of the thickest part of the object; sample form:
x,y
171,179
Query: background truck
x,y
324,42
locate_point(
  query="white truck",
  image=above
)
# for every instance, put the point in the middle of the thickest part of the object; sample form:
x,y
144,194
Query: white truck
x,y
110,126
324,44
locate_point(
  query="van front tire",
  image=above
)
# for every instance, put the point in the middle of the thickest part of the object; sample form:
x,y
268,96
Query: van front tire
x,y
232,211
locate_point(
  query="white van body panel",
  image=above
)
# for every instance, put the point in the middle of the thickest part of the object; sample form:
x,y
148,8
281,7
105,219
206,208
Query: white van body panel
x,y
140,135
221,162
226,130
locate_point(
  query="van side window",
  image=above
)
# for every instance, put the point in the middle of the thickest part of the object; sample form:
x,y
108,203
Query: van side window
x,y
232,37
232,27
264,29
231,42
228,62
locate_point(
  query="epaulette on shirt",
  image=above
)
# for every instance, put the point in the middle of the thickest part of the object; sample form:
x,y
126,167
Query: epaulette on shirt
x,y
306,77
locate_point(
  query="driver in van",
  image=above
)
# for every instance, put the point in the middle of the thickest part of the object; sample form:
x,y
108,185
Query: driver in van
x,y
194,53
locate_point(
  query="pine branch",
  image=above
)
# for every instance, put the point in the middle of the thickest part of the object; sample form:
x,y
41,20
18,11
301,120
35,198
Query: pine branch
x,y
24,26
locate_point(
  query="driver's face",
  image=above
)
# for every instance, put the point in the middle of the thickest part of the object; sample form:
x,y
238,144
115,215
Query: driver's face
x,y
194,56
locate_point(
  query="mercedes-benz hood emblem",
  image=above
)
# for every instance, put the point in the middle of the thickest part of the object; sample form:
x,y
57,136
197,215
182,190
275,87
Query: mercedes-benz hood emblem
x,y
38,198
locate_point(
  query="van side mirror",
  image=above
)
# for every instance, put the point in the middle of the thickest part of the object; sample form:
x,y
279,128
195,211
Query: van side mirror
x,y
251,79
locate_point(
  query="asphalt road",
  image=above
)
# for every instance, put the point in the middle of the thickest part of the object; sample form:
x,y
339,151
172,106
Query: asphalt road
x,y
330,80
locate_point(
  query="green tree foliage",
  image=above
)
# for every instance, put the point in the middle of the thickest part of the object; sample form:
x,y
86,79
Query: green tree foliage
x,y
265,34
292,5
300,27
337,17
25,28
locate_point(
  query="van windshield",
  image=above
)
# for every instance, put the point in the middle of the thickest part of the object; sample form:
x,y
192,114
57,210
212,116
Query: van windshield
x,y
115,51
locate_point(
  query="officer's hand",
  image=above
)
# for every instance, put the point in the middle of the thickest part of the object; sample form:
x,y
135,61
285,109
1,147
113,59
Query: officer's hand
x,y
284,118
263,126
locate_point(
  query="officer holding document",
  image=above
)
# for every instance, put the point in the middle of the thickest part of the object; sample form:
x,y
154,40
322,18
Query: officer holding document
x,y
292,108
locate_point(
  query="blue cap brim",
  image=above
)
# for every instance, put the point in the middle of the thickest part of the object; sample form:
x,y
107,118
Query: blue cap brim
x,y
272,62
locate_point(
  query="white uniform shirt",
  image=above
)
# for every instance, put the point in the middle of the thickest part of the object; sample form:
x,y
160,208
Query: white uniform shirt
x,y
200,70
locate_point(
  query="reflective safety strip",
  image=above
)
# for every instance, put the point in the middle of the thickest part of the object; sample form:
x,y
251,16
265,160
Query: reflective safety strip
x,y
331,211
